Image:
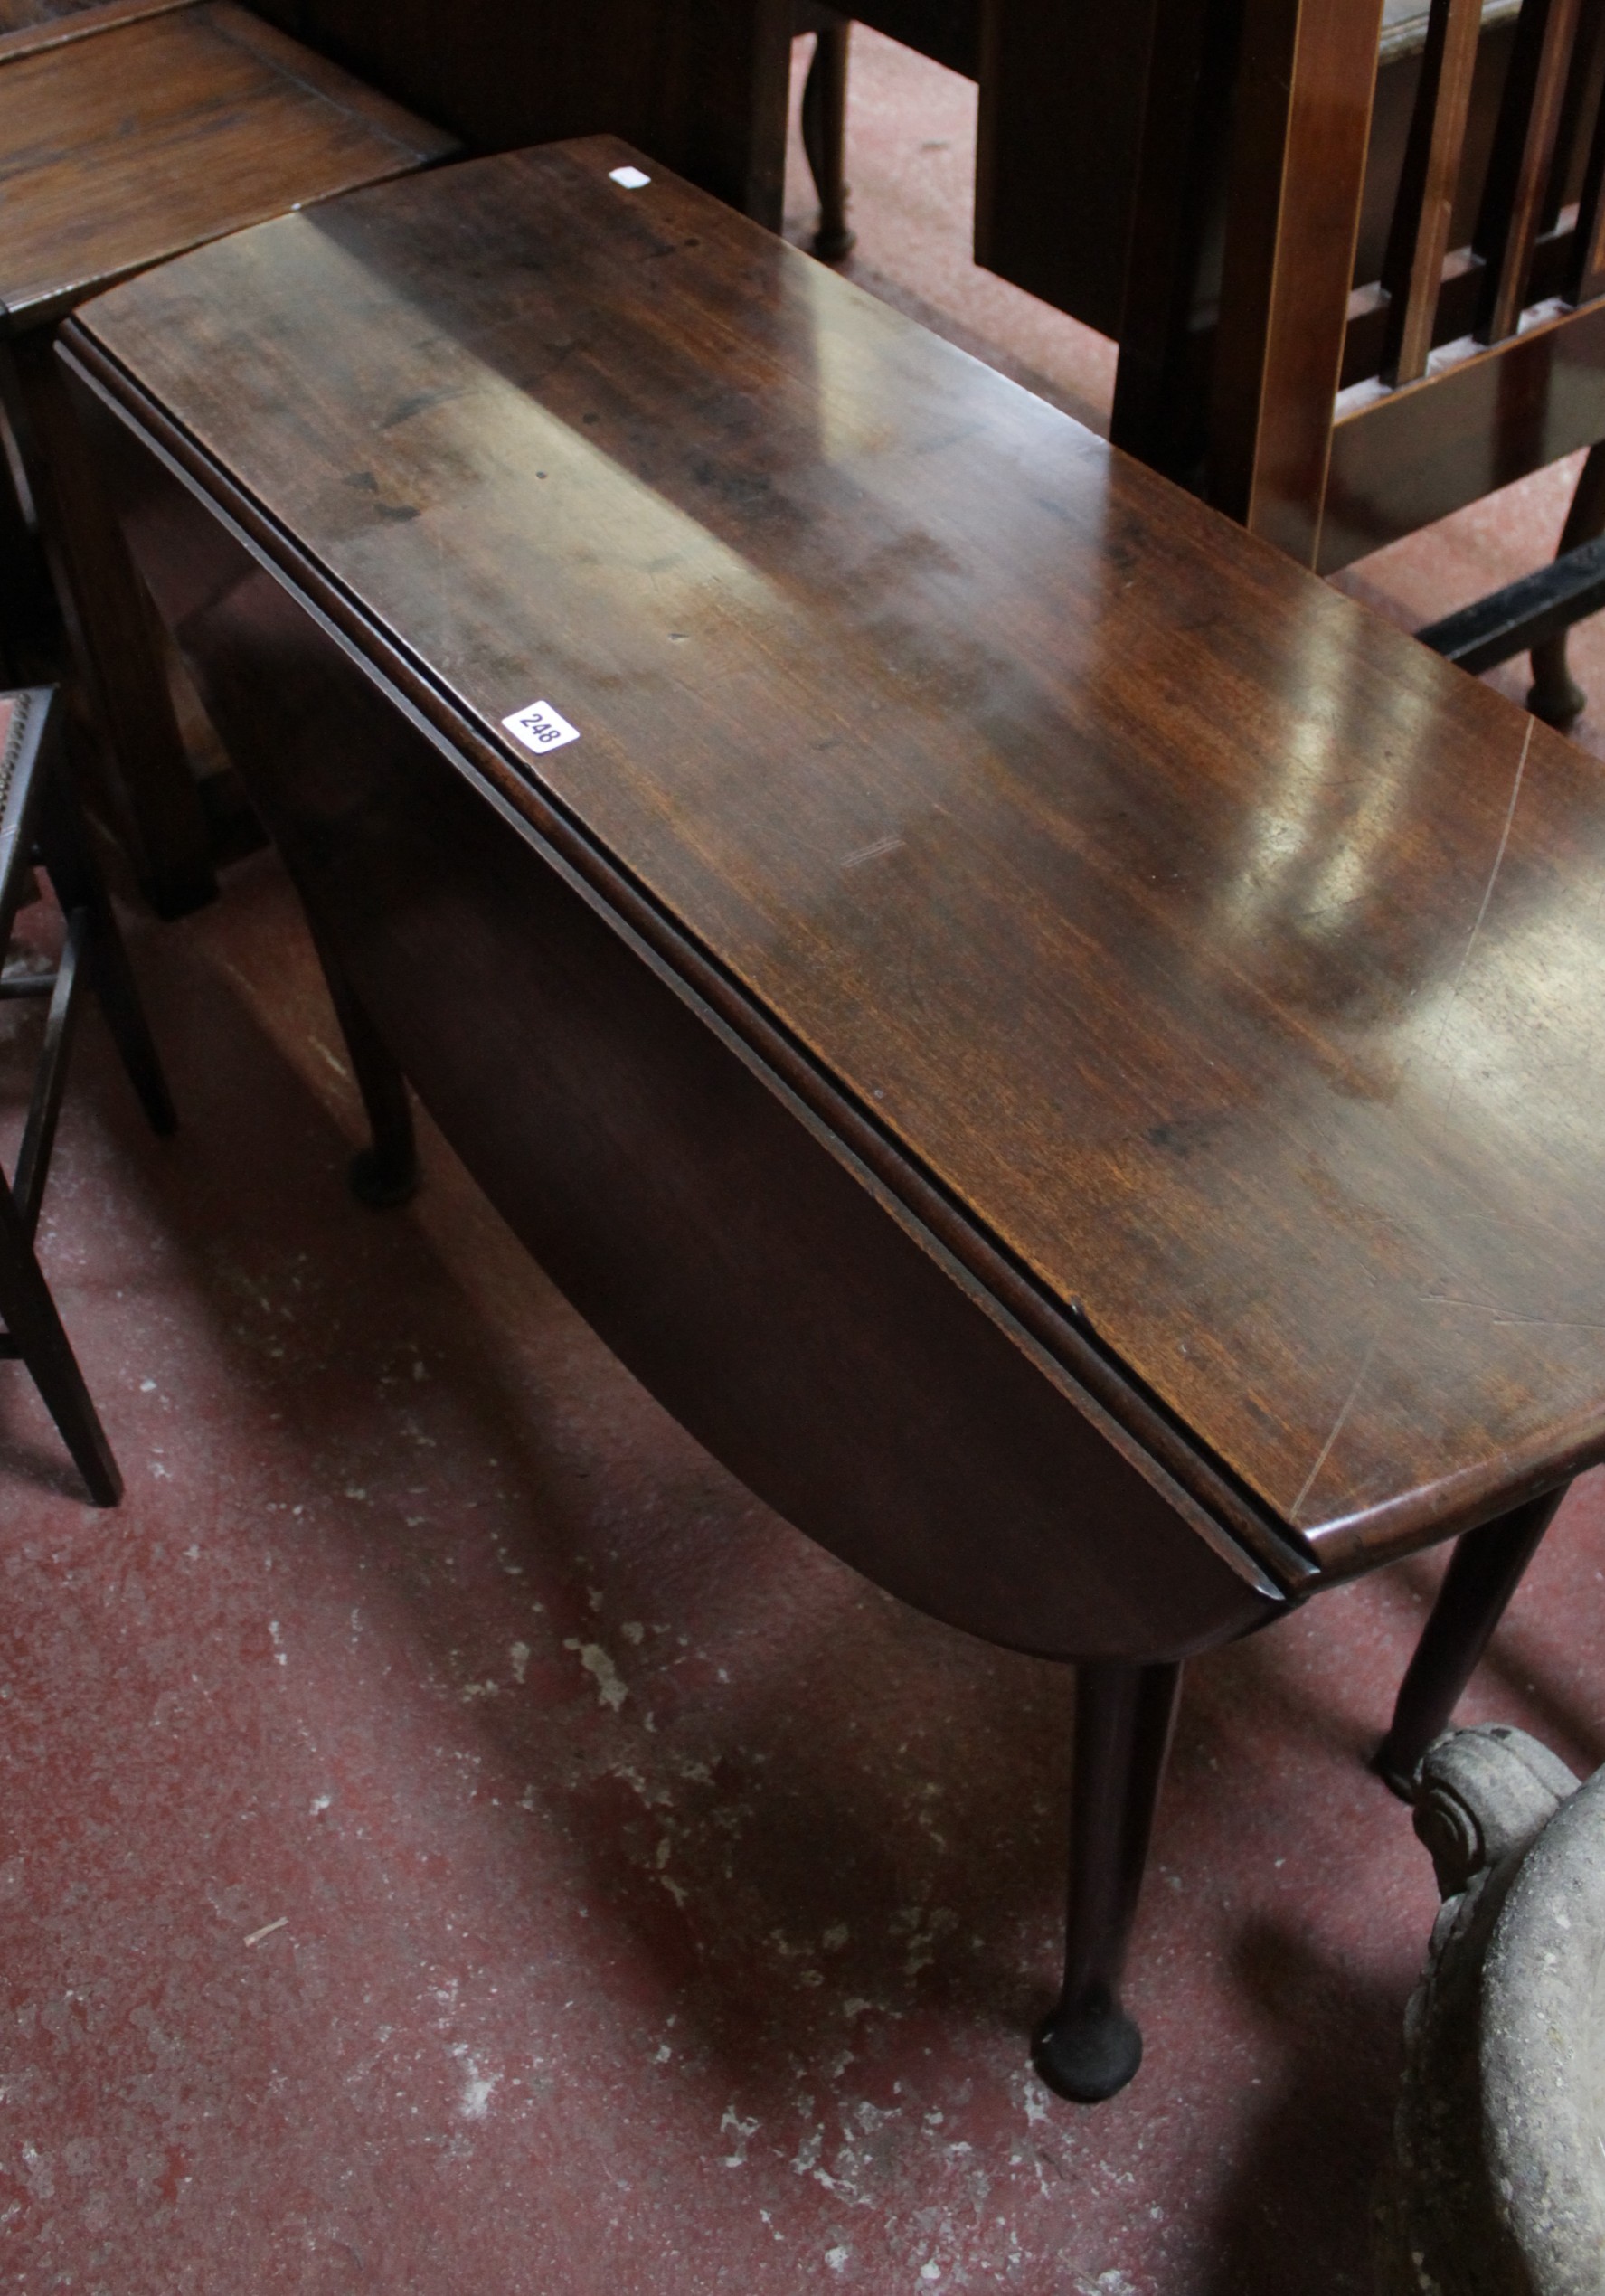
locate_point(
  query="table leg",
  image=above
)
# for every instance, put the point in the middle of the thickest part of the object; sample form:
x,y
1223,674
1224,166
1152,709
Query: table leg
x,y
825,138
112,630
1089,2047
1484,1573
387,1173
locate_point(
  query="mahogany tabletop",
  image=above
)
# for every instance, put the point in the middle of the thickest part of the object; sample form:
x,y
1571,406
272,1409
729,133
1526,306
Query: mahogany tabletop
x,y
133,129
1227,962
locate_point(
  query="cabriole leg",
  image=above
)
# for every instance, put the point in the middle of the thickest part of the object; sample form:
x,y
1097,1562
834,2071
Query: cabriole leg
x,y
387,1173
825,138
1484,1572
1089,2047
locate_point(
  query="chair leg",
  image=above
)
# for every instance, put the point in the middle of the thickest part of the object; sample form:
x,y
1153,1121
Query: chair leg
x,y
35,1327
75,873
1555,695
825,138
1089,2047
30,631
1484,1573
387,1173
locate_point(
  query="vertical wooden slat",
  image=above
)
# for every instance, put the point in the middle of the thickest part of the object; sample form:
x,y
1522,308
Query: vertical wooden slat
x,y
1301,119
1524,153
1586,272
1579,101
1413,271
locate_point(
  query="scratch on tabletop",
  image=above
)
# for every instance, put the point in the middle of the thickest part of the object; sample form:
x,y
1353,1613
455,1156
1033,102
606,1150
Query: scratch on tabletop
x,y
1337,1426
1500,1317
1515,790
872,852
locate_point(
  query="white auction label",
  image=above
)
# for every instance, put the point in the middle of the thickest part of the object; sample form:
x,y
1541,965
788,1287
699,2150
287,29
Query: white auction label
x,y
630,177
540,728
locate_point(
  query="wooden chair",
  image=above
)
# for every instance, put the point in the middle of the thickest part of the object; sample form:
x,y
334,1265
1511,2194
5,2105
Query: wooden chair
x,y
1062,87
40,823
1333,416
129,131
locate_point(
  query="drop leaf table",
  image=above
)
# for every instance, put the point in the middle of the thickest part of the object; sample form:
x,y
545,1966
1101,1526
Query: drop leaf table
x,y
1062,1049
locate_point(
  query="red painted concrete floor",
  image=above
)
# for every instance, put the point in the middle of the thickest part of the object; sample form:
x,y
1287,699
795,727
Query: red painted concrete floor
x,y
454,1839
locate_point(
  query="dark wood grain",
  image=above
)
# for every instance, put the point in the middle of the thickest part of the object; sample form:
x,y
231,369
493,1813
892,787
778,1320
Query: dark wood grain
x,y
1218,958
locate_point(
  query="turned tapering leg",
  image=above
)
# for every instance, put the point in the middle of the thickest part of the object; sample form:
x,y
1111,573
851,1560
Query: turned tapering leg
x,y
1484,1572
1555,695
1089,2047
825,138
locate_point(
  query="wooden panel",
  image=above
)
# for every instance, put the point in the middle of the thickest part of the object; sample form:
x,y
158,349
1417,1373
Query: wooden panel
x,y
1063,86
700,84
234,124
1222,959
1173,283
1402,458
